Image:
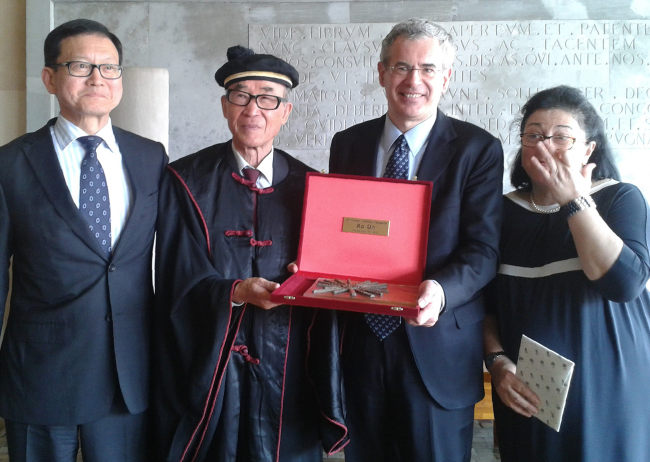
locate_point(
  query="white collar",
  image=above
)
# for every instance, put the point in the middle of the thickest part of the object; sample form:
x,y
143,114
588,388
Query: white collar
x,y
265,167
65,132
416,137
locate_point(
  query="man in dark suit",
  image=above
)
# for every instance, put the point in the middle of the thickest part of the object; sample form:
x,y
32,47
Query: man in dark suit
x,y
411,386
78,205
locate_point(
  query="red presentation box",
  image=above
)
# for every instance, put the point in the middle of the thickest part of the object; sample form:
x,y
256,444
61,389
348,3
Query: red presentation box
x,y
357,229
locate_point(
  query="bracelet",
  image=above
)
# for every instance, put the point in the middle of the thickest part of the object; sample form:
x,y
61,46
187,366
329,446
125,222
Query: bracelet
x,y
490,358
577,205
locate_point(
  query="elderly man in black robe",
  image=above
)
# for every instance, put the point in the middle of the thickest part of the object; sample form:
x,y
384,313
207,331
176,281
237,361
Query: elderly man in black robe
x,y
240,378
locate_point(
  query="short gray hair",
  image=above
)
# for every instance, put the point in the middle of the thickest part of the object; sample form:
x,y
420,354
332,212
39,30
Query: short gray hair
x,y
417,28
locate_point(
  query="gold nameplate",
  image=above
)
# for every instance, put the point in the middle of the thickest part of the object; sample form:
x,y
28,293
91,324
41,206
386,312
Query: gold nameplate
x,y
363,226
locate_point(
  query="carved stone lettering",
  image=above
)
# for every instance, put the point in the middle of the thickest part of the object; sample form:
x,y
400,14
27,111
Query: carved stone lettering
x,y
499,65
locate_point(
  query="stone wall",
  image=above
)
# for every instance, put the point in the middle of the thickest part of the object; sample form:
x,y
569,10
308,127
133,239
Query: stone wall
x,y
499,65
507,50
12,72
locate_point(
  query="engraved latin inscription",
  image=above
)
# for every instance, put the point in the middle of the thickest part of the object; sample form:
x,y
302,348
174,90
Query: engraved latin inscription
x,y
499,65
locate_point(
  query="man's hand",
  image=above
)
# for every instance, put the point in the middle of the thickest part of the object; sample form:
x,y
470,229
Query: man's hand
x,y
256,291
292,267
430,301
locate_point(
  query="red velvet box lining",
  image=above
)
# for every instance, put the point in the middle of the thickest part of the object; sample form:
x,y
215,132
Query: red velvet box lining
x,y
327,251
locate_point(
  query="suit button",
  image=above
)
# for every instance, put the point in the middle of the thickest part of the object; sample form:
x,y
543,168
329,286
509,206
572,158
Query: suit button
x,y
108,318
112,267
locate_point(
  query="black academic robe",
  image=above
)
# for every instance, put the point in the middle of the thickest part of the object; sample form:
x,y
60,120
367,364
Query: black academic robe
x,y
238,383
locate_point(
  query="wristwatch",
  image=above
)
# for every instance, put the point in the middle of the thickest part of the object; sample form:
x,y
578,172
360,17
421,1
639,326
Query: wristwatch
x,y
578,205
491,357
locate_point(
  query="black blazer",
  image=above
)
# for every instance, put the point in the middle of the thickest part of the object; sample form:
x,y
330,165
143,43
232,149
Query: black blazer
x,y
78,326
465,164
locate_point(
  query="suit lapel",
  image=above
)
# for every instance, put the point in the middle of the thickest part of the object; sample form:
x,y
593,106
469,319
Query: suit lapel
x,y
45,165
133,164
439,151
363,152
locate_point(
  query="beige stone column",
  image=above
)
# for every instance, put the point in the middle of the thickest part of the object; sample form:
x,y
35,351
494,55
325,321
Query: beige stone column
x,y
145,104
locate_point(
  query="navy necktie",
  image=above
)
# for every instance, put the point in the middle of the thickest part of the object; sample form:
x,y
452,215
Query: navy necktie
x,y
94,203
398,163
398,167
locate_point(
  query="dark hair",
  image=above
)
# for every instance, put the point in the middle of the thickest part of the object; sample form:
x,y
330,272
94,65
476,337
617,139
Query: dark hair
x,y
52,46
573,101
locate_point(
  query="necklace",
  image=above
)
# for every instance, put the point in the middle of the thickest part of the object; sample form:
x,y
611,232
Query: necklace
x,y
537,208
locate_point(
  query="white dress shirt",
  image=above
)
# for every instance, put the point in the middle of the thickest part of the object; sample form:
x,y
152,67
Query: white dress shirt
x,y
265,180
416,139
70,154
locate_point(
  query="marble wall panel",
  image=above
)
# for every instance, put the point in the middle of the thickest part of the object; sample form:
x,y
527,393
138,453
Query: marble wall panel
x,y
129,21
499,65
190,38
192,42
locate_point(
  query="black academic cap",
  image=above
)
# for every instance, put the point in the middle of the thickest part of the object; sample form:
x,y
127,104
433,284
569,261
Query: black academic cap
x,y
244,64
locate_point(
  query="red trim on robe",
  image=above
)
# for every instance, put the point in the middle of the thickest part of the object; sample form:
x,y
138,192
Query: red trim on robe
x,y
209,395
232,232
250,185
243,350
284,379
256,243
212,392
196,205
336,447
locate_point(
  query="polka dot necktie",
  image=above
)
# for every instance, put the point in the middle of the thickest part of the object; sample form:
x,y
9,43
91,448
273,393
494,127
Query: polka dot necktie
x,y
94,203
398,163
398,167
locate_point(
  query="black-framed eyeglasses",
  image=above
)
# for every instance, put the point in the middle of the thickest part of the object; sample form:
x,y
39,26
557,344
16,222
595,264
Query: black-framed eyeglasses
x,y
84,69
559,141
241,98
427,72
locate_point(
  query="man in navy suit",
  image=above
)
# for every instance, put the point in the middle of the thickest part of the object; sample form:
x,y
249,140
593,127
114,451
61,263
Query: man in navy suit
x,y
411,394
74,363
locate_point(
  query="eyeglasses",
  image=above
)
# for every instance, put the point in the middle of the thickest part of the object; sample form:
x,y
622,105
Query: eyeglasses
x,y
403,70
241,98
84,69
559,141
